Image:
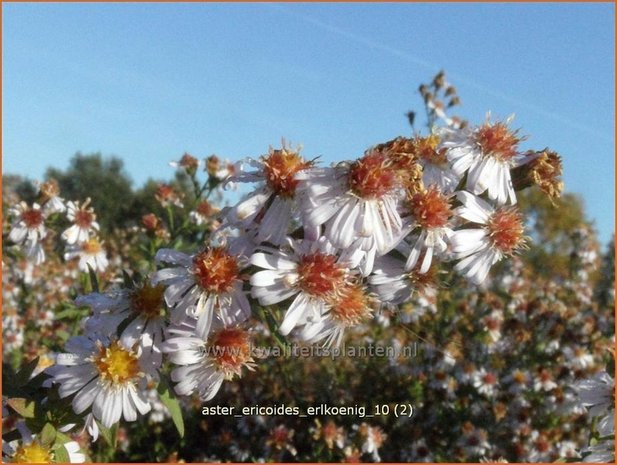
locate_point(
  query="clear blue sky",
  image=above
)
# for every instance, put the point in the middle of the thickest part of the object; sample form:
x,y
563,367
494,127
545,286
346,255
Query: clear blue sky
x,y
147,82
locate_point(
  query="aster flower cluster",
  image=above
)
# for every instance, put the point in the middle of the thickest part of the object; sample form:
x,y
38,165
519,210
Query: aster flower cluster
x,y
417,241
29,228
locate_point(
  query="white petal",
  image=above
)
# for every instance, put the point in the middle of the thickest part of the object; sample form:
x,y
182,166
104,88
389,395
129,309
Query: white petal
x,y
293,314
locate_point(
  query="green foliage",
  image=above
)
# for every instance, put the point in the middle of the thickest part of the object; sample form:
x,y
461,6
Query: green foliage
x,y
169,399
550,227
104,180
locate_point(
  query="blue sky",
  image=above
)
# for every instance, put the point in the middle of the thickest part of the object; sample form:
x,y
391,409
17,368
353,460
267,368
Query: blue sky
x,y
147,82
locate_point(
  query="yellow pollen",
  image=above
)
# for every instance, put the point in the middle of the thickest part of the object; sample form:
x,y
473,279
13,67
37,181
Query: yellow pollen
x,y
33,453
117,364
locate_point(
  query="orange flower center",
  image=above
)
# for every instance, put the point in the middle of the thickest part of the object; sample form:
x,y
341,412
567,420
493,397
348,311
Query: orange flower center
x,y
32,218
83,218
279,437
231,349
371,176
189,162
148,300
330,431
519,377
320,275
280,168
497,140
506,230
489,378
215,269
422,282
92,247
205,209
430,208
352,306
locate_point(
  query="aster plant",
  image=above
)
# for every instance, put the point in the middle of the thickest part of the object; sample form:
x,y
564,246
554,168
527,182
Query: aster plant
x,y
167,314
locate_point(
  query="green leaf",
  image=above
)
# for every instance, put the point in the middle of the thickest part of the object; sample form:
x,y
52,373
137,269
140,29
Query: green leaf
x,y
94,282
61,454
107,434
48,434
171,402
22,407
62,438
273,325
23,376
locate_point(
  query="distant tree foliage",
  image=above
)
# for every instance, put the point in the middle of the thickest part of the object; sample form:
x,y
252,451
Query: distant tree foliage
x,y
102,179
551,226
105,180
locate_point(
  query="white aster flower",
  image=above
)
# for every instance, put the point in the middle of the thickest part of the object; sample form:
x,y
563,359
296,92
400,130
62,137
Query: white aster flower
x,y
374,438
204,284
32,449
436,170
205,362
105,375
28,230
271,207
597,393
310,269
486,153
203,214
577,357
90,252
395,285
485,382
350,307
84,223
143,306
474,441
357,202
518,381
479,248
544,381
50,193
187,162
431,212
